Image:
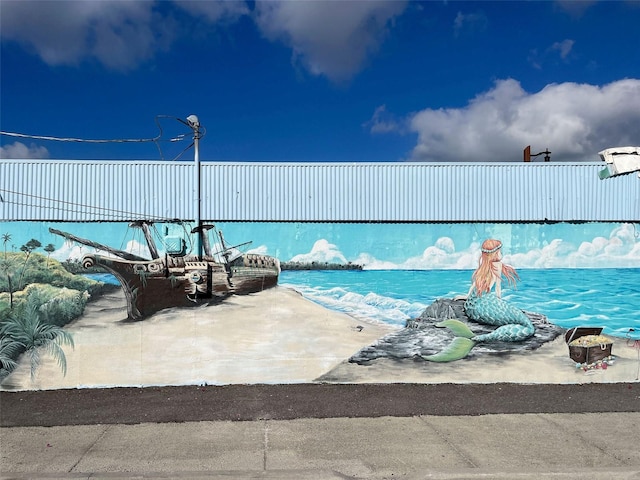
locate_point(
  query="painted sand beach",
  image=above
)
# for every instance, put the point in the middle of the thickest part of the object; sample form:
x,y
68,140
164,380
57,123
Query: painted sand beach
x,y
275,336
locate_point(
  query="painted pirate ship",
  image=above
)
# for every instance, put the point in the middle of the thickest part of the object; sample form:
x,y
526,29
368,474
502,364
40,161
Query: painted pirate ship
x,y
176,278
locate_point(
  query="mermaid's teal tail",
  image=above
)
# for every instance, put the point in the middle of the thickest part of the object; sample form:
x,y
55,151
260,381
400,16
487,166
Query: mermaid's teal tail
x,y
513,326
507,333
458,328
459,347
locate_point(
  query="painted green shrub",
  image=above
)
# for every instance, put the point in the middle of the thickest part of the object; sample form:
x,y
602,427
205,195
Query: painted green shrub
x,y
37,298
29,333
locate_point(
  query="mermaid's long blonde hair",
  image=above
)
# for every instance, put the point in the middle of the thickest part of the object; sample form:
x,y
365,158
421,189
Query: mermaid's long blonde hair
x,y
487,269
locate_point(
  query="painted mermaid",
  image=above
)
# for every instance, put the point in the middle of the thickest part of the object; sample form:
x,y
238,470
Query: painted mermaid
x,y
484,304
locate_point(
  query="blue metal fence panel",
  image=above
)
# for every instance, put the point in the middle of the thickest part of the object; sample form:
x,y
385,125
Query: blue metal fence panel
x,y
461,192
58,190
81,191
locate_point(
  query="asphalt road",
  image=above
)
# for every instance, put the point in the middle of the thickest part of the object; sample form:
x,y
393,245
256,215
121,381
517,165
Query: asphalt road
x,y
287,402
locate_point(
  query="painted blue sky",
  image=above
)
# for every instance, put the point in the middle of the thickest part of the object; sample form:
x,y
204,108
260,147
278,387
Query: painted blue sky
x,y
312,81
380,246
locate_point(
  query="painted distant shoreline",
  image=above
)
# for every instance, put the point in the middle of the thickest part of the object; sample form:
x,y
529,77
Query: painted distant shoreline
x,y
74,266
319,266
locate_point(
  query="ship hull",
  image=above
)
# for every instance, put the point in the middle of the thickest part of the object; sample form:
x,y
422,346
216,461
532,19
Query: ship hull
x,y
154,285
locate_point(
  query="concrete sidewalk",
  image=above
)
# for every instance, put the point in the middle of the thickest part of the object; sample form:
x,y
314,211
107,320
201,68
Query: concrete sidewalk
x,y
503,446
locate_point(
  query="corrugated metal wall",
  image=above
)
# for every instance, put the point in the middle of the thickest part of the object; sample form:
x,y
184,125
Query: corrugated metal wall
x,y
58,190
89,191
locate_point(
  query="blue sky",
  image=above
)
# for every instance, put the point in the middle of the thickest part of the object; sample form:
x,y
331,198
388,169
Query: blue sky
x,y
311,81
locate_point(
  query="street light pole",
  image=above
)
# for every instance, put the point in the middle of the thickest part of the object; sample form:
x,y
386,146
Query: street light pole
x,y
194,123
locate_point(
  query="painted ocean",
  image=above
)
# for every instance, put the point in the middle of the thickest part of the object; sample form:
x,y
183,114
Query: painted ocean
x,y
608,298
568,297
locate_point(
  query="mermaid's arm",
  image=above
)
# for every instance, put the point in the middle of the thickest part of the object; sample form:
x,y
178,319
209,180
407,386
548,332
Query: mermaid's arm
x,y
498,278
464,297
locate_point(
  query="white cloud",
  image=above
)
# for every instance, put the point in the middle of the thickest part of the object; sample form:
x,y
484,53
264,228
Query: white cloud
x,y
469,23
139,249
369,262
119,34
21,151
70,251
556,254
441,256
575,9
332,39
383,122
73,251
564,47
620,250
214,11
446,245
261,250
322,252
574,121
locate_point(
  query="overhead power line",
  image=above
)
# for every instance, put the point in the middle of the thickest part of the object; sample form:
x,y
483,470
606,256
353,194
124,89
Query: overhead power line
x,y
155,139
74,207
81,140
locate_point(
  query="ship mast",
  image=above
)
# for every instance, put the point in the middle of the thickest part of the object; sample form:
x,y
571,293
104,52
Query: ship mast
x,y
99,246
151,244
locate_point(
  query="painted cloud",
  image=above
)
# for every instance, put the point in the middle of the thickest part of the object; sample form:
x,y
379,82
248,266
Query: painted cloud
x,y
620,250
322,252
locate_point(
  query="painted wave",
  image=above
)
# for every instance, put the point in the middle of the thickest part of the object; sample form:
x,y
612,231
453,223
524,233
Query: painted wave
x,y
372,307
607,298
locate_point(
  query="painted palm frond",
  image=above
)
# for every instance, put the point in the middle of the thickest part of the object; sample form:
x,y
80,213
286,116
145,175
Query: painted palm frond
x,y
9,350
33,334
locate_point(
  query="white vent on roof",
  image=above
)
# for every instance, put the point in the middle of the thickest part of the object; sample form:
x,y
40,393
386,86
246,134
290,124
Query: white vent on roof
x,y
620,161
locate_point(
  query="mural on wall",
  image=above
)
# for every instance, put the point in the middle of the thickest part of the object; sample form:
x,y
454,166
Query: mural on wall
x,y
86,305
181,277
484,304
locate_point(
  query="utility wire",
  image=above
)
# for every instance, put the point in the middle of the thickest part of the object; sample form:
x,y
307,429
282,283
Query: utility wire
x,y
112,216
81,140
85,140
156,139
73,207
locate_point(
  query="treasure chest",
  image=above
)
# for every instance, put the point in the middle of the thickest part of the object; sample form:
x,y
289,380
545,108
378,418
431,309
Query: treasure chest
x,y
587,344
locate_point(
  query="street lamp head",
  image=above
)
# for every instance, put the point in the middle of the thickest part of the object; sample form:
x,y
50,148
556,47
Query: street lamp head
x,y
193,122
